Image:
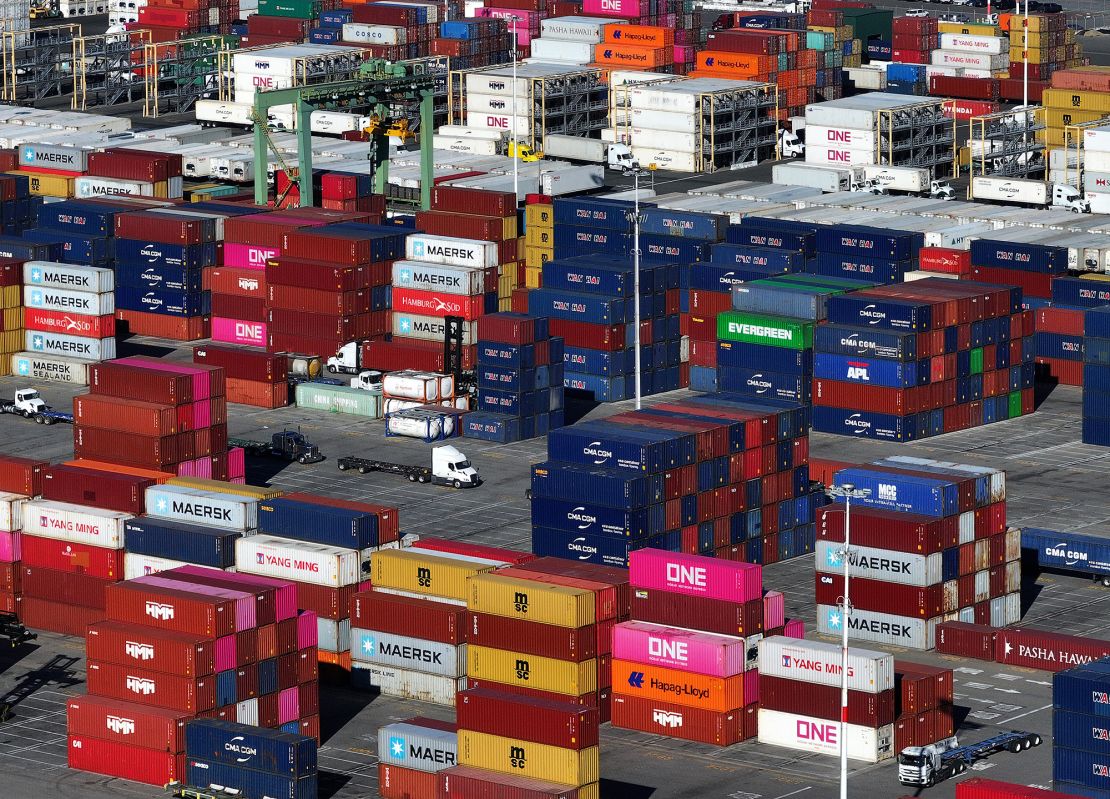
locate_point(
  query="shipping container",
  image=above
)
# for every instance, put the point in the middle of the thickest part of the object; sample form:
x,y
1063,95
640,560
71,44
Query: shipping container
x,y
118,492
677,648
76,523
250,748
886,628
403,652
181,654
124,760
248,782
819,662
693,575
544,640
142,686
531,671
409,617
679,721
406,684
126,723
497,753
182,504
714,615
521,599
865,709
541,721
302,561
395,782
319,521
810,734
21,475
424,573
466,782
171,609
416,746
1048,651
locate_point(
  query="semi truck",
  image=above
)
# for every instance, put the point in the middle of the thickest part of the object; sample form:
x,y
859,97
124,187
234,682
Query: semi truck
x,y
928,765
814,176
1037,193
290,445
792,144
449,467
1070,552
594,151
879,179
28,404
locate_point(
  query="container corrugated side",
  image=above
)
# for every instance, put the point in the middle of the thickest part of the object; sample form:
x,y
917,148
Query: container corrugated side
x,y
77,523
251,747
423,573
533,601
883,628
560,724
566,766
184,504
247,782
881,564
821,736
184,654
694,575
127,723
126,761
820,662
682,688
677,648
406,684
466,782
385,649
531,671
300,561
413,746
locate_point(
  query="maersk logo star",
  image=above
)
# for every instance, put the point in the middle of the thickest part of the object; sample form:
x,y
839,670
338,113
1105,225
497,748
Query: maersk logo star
x,y
24,367
36,298
162,505
36,342
834,620
406,276
36,275
368,646
406,324
397,748
833,557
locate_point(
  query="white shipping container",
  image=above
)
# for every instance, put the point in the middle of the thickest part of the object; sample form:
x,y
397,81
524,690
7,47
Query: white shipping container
x,y
1096,160
466,144
462,131
64,521
850,138
197,506
337,122
558,51
665,140
247,83
572,180
282,60
54,156
497,83
414,385
870,563
666,159
826,179
826,155
304,561
498,104
517,125
74,277
648,119
407,684
820,663
86,349
332,635
950,596
450,251
444,278
247,712
933,69
386,649
417,747
85,187
873,80
1096,139
974,44
1100,203
1015,190
135,566
883,628
967,527
80,302
965,60
365,33
982,585
224,112
39,366
675,100
577,29
822,736
958,237
429,328
11,511
834,114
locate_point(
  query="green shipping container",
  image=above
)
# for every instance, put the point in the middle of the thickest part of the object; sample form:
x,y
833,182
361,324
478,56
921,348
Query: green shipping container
x,y
299,9
977,361
775,331
339,399
1015,404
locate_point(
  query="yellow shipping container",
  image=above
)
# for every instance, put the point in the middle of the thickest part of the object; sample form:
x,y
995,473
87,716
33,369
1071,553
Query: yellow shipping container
x,y
526,759
509,228
48,185
1077,99
1059,117
1054,137
591,791
531,671
13,318
539,237
504,306
968,29
538,215
533,276
224,487
505,286
1035,56
11,341
11,297
535,257
424,573
539,602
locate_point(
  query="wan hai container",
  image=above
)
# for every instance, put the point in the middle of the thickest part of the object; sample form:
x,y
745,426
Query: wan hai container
x,y
695,576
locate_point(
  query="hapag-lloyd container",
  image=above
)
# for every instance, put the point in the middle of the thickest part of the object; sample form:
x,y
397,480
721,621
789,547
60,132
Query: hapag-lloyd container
x,y
680,687
124,722
812,734
182,504
184,654
68,522
883,628
819,662
880,564
385,649
527,718
407,684
677,648
695,576
1037,649
302,561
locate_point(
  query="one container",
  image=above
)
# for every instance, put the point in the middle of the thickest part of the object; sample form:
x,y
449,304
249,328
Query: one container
x,y
812,734
676,648
695,576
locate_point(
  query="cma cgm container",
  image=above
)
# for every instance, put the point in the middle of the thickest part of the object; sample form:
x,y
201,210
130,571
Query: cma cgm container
x,y
247,782
251,747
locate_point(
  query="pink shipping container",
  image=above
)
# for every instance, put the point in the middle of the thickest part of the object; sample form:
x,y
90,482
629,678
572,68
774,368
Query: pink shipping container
x,y
794,628
285,593
677,648
693,575
307,629
9,547
248,256
774,610
207,381
627,9
239,331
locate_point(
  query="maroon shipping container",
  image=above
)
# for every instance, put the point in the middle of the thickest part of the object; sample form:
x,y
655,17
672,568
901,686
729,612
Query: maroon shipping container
x,y
82,590
980,788
146,687
965,640
336,248
561,724
877,595
127,723
320,326
126,761
139,165
11,578
235,281
507,329
114,491
901,532
264,596
618,578
395,782
1037,649
71,557
393,356
257,393
823,701
325,602
296,298
147,452
463,226
605,596
467,549
57,617
530,638
133,382
181,654
318,275
472,201
742,41
21,475
1013,89
308,665
679,721
243,364
409,617
170,609
467,782
167,228
710,615
265,230
231,306
967,88
126,416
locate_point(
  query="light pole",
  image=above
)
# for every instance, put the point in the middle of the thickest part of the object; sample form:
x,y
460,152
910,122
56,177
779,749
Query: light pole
x,y
1025,57
634,218
847,492
512,125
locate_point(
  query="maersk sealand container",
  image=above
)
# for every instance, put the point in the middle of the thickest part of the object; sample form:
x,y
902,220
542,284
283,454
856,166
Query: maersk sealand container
x,y
865,342
318,522
189,543
1023,256
585,517
249,747
903,492
888,313
612,487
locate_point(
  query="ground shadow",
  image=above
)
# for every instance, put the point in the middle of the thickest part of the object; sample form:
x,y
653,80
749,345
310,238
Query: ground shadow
x,y
261,469
1043,385
1030,588
58,671
959,716
328,783
338,706
127,345
577,404
12,655
616,789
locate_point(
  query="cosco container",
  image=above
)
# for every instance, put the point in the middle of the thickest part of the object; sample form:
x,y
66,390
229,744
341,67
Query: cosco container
x,y
126,723
695,576
885,628
526,718
554,764
415,746
811,734
820,662
179,503
245,747
386,649
406,684
68,522
301,561
247,782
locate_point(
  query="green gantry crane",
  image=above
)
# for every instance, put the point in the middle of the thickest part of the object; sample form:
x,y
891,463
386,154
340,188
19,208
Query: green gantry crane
x,y
378,83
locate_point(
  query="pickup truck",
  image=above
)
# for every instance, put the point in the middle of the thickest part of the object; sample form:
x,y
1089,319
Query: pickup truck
x,y
28,404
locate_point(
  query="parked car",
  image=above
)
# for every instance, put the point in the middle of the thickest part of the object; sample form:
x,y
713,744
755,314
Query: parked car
x,y
917,12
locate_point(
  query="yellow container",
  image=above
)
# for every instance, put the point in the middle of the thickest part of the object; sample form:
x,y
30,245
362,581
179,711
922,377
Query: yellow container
x,y
538,215
12,341
1054,137
531,671
505,286
1035,56
48,185
224,487
539,237
1059,117
966,29
539,602
509,228
504,306
526,759
533,276
422,573
11,297
1077,99
13,318
591,791
536,256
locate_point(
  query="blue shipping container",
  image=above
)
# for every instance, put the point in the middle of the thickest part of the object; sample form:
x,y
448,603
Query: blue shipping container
x,y
604,389
611,446
189,543
594,213
582,517
610,487
767,260
318,522
1084,768
671,249
170,303
186,256
903,492
1096,322
881,426
867,342
83,218
1024,256
246,783
876,269
29,250
1076,292
885,313
687,224
760,384
496,427
158,276
870,371
249,747
1068,551
771,236
600,549
580,307
76,249
1058,345
858,240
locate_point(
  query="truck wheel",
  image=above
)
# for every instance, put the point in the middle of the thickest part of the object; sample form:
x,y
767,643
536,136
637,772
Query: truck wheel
x,y
362,470
423,478
302,460
342,467
412,478
1105,582
456,484
1014,747
332,369
1034,740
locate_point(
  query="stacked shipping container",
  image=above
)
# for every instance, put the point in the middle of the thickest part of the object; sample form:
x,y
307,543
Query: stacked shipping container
x,y
1096,376
1079,748
238,758
410,753
250,377
69,316
923,697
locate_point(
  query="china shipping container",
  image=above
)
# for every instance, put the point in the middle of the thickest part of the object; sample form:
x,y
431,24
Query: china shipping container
x,y
181,654
552,723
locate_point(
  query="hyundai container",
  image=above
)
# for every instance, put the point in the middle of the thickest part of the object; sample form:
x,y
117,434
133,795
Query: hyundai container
x,y
126,723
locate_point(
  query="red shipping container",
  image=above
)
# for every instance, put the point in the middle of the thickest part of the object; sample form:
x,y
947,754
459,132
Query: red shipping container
x,y
81,590
144,687
901,532
474,550
70,557
409,353
463,226
947,261
125,761
164,228
1013,88
466,782
980,788
178,328
437,304
530,638
713,615
69,324
234,281
133,382
57,617
11,575
170,609
126,416
560,724
679,721
148,452
325,602
120,492
243,364
319,275
610,575
472,201
966,640
964,88
298,298
21,475
883,597
230,306
966,109
128,164
1037,649
256,393
127,723
395,782
180,654
914,692
409,617
264,596
823,701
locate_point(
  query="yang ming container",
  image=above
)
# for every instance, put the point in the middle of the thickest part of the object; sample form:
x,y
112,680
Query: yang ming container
x,y
68,522
302,561
819,662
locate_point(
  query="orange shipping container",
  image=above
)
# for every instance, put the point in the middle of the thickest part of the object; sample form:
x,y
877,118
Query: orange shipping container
x,y
679,687
639,35
628,56
736,63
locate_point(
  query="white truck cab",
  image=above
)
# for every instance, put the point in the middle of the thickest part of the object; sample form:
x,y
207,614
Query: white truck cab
x,y
1069,197
368,380
28,402
790,144
619,156
451,467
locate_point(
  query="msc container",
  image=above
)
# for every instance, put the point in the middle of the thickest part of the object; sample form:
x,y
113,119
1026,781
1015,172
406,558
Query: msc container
x,y
465,782
68,277
183,654
248,782
1038,649
554,764
524,718
179,503
301,561
126,723
68,522
406,684
105,490
170,608
250,747
819,662
521,599
811,734
531,671
884,628
190,543
144,687
386,649
694,575
124,760
677,648
425,573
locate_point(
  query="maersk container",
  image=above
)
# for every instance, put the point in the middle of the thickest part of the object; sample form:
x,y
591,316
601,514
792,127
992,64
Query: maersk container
x,y
868,241
887,313
250,747
687,224
206,507
865,342
246,782
1023,256
599,549
447,278
406,684
610,487
318,522
880,564
1068,551
402,652
594,212
902,492
884,628
864,424
69,277
80,347
769,259
870,371
451,251
415,746
68,300
189,543
576,515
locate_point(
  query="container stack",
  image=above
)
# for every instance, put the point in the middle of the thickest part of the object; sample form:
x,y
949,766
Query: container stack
x,y
82,231
251,377
1076,95
1096,167
411,754
170,23
123,171
696,618
1078,717
69,310
520,379
539,241
1058,342
717,474
923,697
1051,47
1019,260
878,377
1096,377
800,699
20,479
914,39
249,761
570,39
950,552
975,58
